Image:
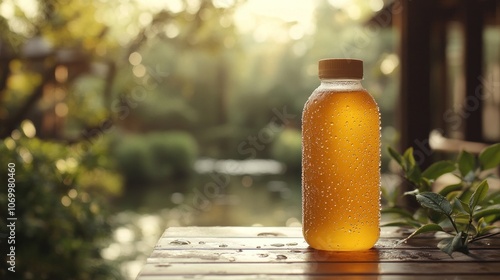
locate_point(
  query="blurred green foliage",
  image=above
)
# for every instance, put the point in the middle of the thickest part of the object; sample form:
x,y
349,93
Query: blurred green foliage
x,y
62,220
155,157
287,148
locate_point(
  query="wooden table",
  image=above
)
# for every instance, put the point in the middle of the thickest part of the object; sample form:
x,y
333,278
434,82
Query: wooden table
x,y
282,253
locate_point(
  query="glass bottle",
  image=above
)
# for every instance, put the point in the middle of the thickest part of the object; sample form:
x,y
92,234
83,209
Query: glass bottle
x,y
341,161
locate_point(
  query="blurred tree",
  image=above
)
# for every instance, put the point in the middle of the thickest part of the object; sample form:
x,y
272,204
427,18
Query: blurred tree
x,y
70,75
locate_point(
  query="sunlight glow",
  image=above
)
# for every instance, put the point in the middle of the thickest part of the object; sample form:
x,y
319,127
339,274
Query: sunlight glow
x,y
29,8
376,5
123,234
223,3
10,143
111,252
72,193
61,109
175,6
28,128
16,134
145,18
272,19
339,4
25,155
66,201
171,30
7,9
61,73
389,64
135,58
139,71
353,11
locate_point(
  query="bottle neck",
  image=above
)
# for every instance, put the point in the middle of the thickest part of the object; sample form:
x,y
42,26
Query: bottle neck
x,y
329,80
347,84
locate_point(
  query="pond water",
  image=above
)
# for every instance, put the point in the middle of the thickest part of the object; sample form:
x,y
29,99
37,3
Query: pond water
x,y
220,193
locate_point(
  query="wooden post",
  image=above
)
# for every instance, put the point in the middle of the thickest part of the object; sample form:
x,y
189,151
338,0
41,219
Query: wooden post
x,y
473,24
415,99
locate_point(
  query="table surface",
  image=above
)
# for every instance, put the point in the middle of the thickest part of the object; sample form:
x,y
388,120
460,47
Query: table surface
x,y
282,253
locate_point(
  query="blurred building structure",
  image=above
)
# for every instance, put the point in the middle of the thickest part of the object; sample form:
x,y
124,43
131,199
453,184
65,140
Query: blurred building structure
x,y
448,83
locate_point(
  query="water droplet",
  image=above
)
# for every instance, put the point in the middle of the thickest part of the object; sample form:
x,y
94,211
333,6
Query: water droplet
x,y
269,234
180,242
281,257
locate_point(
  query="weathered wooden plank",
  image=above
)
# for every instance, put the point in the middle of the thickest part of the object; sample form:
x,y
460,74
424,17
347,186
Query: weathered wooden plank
x,y
318,277
232,243
203,243
318,268
309,255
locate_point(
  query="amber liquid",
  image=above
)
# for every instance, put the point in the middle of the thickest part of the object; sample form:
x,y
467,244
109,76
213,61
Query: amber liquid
x,y
341,170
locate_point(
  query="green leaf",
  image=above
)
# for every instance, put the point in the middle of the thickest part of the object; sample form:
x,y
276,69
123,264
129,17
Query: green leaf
x,y
462,218
412,170
424,229
445,245
493,198
450,188
461,206
425,184
466,163
486,229
414,192
397,157
490,210
458,243
391,196
427,228
409,158
465,195
490,156
414,174
437,169
407,223
435,202
483,227
478,195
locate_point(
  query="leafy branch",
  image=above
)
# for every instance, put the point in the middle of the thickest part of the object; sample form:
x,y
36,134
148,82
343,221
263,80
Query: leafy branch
x,y
467,210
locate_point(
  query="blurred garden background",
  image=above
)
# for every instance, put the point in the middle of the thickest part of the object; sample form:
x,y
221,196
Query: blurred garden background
x,y
126,117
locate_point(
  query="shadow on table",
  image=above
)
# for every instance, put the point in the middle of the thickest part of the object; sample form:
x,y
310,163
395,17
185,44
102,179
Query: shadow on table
x,y
356,264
